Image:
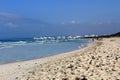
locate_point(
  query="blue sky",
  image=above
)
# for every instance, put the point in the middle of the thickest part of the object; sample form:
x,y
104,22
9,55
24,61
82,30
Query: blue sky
x,y
28,18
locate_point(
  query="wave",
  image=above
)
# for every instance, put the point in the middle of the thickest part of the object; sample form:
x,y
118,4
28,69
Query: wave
x,y
11,44
6,47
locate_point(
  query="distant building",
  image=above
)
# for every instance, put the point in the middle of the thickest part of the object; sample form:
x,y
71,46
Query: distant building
x,y
86,36
92,35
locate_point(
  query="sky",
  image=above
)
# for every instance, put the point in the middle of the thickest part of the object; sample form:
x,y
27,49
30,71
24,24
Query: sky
x,y
34,18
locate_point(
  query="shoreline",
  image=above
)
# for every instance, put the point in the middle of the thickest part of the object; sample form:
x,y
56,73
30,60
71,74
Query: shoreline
x,y
46,53
32,69
4,68
50,56
79,48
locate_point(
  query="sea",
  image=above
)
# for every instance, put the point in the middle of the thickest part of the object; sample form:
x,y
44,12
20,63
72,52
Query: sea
x,y
13,50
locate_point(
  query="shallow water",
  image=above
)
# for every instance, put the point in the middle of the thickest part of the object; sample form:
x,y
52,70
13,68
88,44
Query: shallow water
x,y
11,51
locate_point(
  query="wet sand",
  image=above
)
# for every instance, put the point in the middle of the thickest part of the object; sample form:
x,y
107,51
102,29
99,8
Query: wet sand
x,y
99,61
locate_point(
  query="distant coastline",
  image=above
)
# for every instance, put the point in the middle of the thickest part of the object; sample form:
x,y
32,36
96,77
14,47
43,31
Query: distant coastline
x,y
103,36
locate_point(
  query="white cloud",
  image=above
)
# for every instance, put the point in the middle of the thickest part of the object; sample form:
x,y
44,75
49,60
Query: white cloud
x,y
10,24
9,15
13,20
6,17
73,21
62,23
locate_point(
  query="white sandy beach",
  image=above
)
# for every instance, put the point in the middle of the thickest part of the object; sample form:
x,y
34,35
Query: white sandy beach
x,y
99,61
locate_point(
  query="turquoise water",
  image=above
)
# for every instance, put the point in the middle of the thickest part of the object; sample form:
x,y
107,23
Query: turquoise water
x,y
11,51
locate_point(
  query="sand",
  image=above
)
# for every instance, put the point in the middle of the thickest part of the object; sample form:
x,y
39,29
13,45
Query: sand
x,y
99,61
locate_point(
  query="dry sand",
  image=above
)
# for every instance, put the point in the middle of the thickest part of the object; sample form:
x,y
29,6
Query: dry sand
x,y
99,61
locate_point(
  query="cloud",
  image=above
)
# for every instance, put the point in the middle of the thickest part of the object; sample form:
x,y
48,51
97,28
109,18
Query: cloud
x,y
13,20
9,17
10,24
62,23
7,14
73,21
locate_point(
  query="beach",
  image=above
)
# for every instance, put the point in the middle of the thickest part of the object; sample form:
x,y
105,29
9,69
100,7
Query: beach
x,y
100,60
